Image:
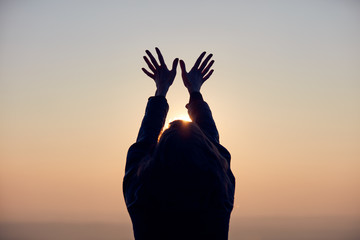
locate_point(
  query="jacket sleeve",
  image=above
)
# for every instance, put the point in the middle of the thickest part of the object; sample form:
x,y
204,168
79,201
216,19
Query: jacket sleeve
x,y
151,126
200,113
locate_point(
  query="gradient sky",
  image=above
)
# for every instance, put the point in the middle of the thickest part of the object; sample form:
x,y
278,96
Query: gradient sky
x,y
285,95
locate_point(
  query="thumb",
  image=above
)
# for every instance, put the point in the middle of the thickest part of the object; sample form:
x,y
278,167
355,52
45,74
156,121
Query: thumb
x,y
184,73
175,63
182,66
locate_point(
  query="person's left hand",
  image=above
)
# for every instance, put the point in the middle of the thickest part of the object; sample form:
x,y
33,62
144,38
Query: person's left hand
x,y
162,76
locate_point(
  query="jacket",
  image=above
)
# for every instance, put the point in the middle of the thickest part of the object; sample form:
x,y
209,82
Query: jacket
x,y
150,220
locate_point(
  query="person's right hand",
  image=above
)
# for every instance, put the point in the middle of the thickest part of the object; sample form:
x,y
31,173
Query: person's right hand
x,y
194,79
162,76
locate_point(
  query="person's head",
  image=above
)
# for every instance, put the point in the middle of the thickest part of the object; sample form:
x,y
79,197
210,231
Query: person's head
x,y
186,167
185,147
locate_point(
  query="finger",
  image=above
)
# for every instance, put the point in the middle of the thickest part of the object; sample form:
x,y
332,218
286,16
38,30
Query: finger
x,y
198,61
148,73
182,66
175,63
205,62
208,67
209,74
161,59
149,64
183,72
156,65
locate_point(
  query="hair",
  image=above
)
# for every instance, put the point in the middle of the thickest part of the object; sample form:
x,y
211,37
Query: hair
x,y
186,168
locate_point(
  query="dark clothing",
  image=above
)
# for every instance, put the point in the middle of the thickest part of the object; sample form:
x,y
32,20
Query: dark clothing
x,y
152,220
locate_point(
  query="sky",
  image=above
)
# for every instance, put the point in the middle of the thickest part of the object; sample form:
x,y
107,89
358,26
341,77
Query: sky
x,y
285,95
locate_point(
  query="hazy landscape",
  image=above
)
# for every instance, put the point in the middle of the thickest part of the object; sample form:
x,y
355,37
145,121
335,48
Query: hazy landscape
x,y
255,228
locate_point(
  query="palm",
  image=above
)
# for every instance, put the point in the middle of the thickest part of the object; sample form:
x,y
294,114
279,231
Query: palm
x,y
162,76
194,79
193,74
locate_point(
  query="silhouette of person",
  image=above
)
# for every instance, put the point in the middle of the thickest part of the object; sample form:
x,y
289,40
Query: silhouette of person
x,y
178,186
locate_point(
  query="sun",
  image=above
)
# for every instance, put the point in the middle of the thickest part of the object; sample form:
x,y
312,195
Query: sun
x,y
183,117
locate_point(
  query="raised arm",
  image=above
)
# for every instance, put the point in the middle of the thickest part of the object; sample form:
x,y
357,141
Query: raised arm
x,y
157,107
152,123
199,110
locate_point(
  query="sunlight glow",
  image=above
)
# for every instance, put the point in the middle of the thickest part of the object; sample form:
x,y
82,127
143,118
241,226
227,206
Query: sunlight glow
x,y
183,117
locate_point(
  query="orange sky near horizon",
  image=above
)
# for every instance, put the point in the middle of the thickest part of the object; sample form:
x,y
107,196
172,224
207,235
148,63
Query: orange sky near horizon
x,y
285,96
